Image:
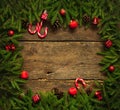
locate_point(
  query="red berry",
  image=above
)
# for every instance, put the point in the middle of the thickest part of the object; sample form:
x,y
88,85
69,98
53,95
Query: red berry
x,y
10,32
73,24
100,98
96,20
36,98
63,12
12,47
72,91
98,94
108,43
24,75
7,47
111,68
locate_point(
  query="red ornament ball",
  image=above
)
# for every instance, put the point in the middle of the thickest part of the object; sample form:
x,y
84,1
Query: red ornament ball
x,y
36,98
108,43
73,24
111,68
11,32
72,91
96,20
24,75
62,12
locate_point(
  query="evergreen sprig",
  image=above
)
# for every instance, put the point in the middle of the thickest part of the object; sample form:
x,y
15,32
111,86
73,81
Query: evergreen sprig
x,y
13,12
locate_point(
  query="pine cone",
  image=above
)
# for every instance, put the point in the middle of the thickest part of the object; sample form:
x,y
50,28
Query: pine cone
x,y
86,19
56,25
25,24
57,92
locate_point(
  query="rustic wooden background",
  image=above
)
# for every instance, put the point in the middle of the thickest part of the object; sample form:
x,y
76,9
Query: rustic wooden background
x,y
61,57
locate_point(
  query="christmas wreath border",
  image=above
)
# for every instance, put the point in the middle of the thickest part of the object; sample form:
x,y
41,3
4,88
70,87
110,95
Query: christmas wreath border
x,y
105,96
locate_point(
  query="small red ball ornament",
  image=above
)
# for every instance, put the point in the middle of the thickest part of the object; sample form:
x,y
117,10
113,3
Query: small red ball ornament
x,y
96,20
24,75
10,32
62,12
108,43
111,68
73,24
98,94
72,91
36,98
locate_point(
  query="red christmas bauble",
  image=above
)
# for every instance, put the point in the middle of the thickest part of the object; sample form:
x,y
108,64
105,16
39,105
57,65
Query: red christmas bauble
x,y
10,32
96,20
108,43
36,98
63,12
98,94
24,75
72,91
73,24
111,68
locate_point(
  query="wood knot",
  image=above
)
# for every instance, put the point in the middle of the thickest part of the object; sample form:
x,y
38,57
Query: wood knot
x,y
49,72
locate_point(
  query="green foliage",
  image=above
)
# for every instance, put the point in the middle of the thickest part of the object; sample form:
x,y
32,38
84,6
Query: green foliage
x,y
14,12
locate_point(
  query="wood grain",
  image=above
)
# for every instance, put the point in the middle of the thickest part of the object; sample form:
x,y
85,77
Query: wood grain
x,y
62,60
61,57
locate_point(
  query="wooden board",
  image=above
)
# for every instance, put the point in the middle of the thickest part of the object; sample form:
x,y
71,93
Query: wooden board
x,y
61,57
79,34
47,85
